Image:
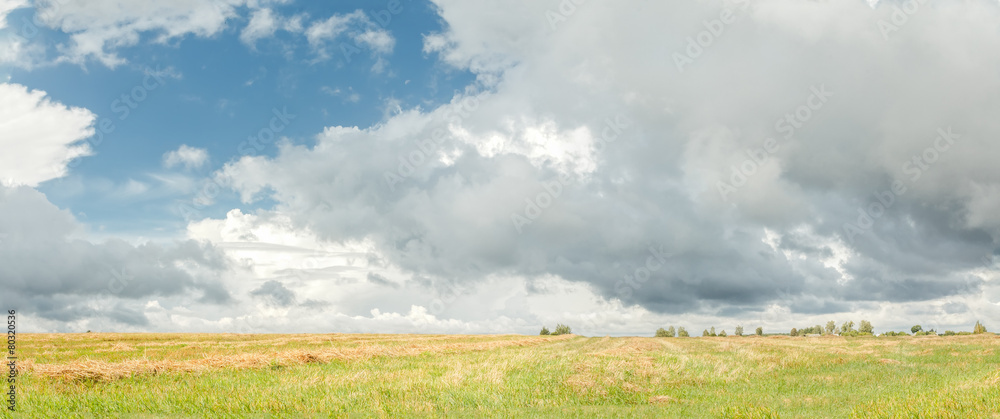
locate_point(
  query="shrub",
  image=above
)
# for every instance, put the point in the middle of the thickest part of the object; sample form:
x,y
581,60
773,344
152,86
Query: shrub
x,y
738,331
949,333
916,329
759,331
545,331
979,328
964,333
662,333
562,329
681,332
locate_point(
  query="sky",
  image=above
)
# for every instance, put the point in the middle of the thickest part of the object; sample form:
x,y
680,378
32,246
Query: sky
x,y
406,166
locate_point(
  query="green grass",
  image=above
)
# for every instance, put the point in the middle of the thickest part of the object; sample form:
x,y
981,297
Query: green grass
x,y
504,376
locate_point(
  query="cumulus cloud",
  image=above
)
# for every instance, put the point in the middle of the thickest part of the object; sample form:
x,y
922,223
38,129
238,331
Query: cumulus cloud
x,y
98,28
612,148
264,23
48,271
40,136
359,34
187,156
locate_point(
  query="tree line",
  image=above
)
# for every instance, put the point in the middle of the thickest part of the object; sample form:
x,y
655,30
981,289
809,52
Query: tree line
x,y
864,328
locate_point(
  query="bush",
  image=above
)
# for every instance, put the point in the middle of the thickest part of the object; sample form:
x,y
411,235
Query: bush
x,y
949,333
545,331
562,329
964,333
979,328
916,329
759,331
739,331
681,332
663,333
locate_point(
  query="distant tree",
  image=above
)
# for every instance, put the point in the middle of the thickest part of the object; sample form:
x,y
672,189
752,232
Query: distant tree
x,y
738,331
979,328
545,331
831,326
949,333
722,333
759,331
794,332
562,329
662,333
847,327
671,332
916,329
705,333
866,327
681,332
712,331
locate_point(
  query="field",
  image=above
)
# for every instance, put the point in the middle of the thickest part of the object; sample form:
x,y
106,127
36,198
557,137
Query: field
x,y
199,375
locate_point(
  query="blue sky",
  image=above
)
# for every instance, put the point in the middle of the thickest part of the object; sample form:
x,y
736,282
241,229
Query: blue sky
x,y
496,166
218,91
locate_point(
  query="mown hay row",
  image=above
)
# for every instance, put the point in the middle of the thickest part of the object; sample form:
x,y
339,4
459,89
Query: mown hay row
x,y
95,370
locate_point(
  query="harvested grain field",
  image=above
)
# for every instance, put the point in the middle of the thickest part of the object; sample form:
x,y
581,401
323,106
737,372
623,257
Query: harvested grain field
x,y
197,375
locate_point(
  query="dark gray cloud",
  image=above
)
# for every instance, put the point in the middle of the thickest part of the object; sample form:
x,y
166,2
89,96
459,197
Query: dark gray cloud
x,y
46,272
276,293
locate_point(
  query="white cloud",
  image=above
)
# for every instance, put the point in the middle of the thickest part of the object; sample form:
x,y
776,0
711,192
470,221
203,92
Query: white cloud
x,y
264,23
777,242
98,28
189,157
7,6
364,36
40,136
